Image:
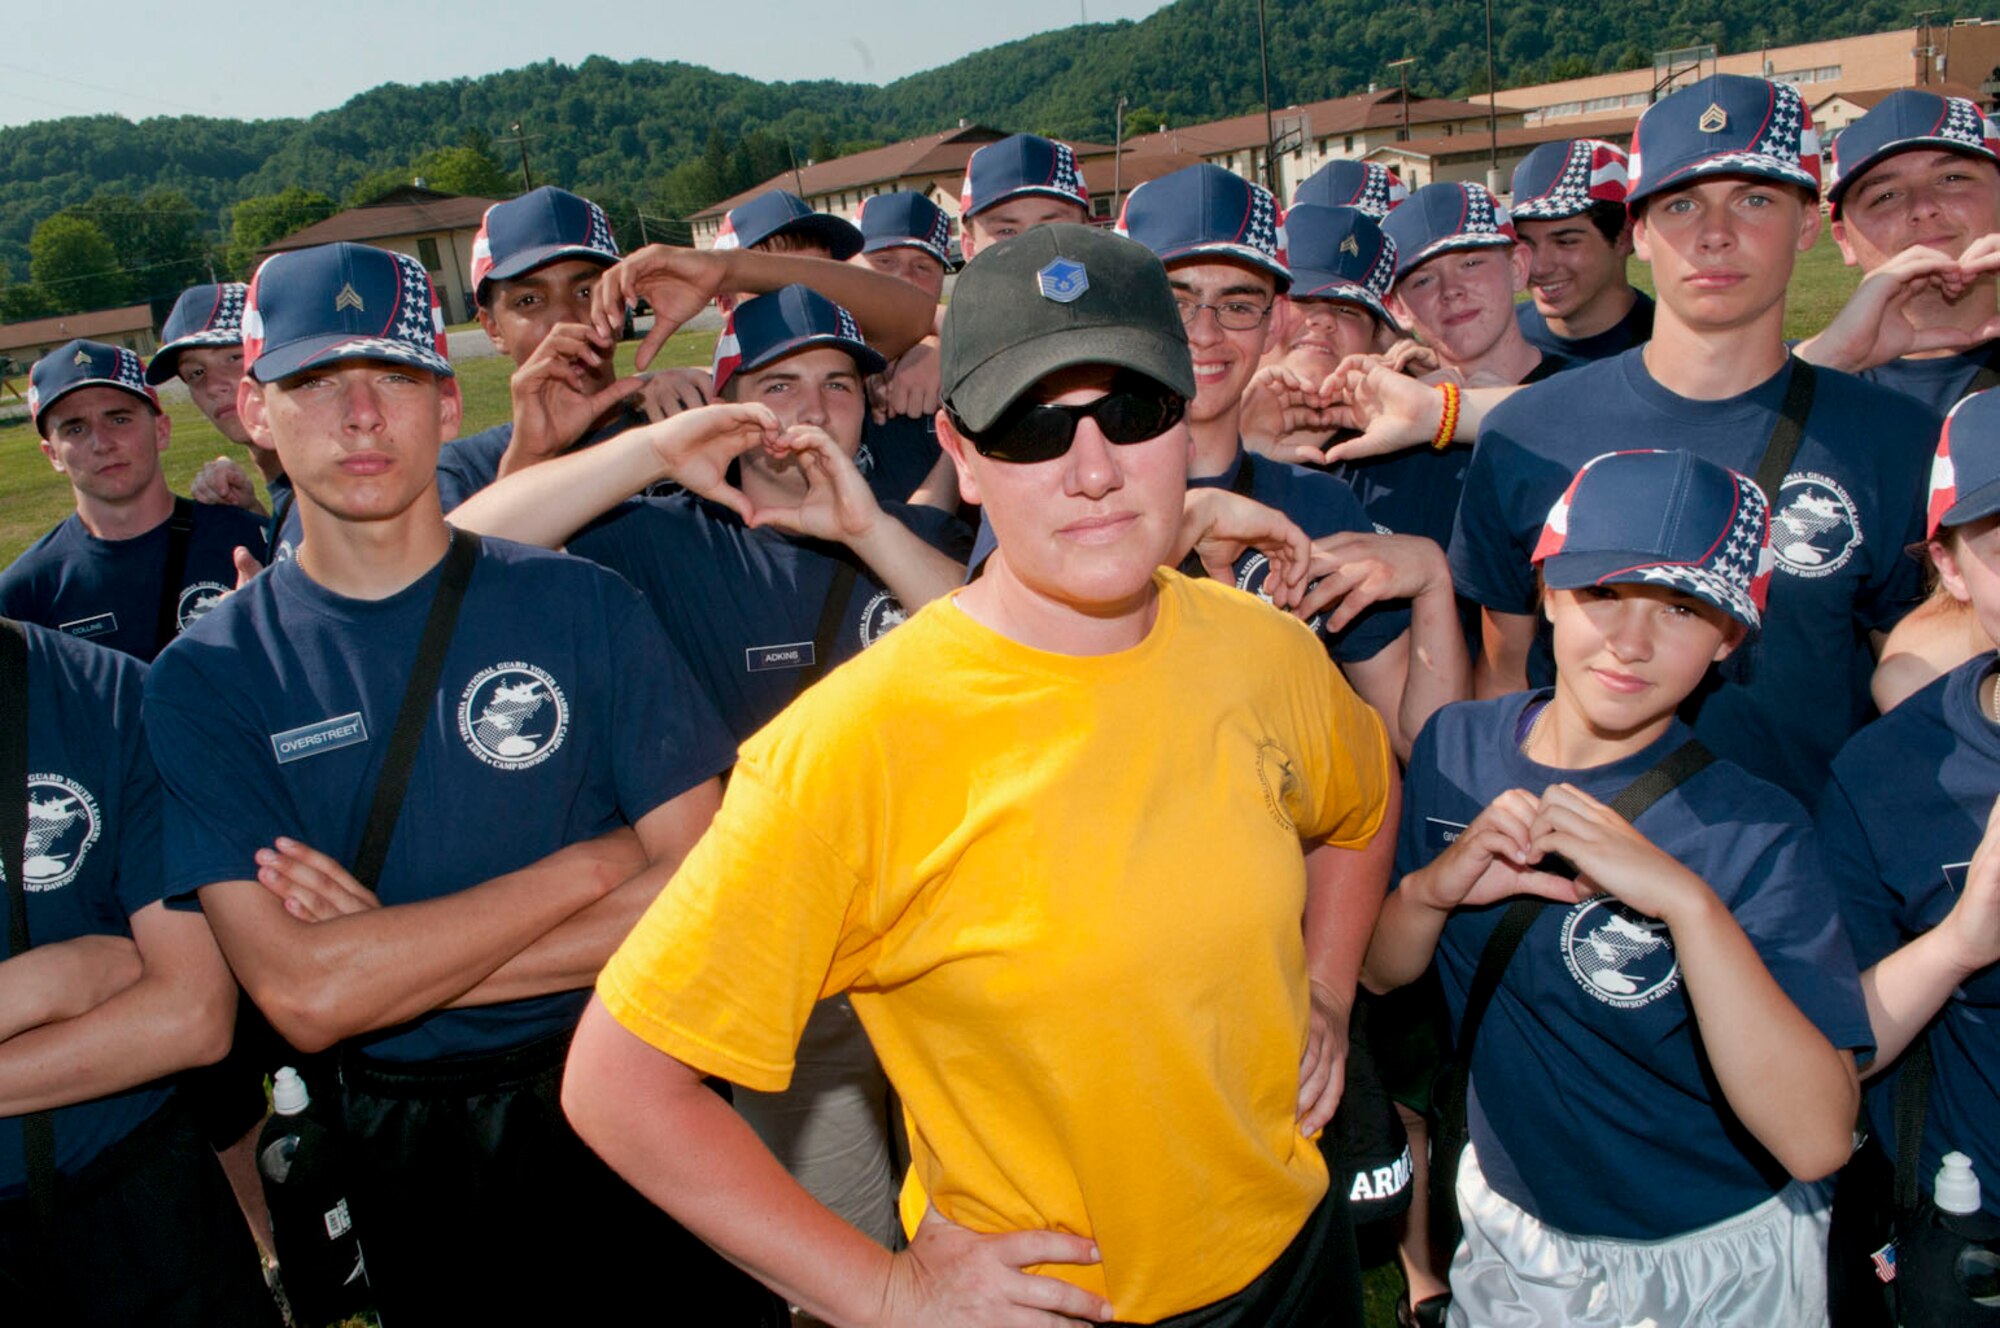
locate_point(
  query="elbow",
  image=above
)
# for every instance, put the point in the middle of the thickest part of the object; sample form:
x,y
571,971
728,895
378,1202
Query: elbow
x,y
1817,1158
204,1023
305,1013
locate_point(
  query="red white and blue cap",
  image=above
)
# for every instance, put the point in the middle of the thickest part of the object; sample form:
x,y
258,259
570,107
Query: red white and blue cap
x,y
1563,179
1965,473
1727,124
335,302
1340,253
781,212
1910,118
1206,212
541,227
1367,185
904,221
790,319
1665,519
1020,164
1440,218
206,315
79,364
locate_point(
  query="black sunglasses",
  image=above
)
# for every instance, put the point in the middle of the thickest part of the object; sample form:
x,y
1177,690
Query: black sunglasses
x,y
1134,410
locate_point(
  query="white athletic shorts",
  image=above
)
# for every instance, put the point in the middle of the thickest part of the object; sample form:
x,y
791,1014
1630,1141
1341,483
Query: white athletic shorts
x,y
1763,1268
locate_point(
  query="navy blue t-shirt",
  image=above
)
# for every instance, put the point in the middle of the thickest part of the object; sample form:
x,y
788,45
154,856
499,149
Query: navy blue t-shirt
x,y
1941,382
1635,328
1318,504
1903,812
897,456
1590,1106
108,591
1850,505
467,465
744,605
92,857
562,712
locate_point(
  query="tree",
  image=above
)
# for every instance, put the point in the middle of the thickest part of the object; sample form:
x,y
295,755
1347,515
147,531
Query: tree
x,y
465,170
160,238
256,222
75,265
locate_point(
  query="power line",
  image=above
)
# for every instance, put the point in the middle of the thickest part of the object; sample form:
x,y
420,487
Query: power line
x,y
208,111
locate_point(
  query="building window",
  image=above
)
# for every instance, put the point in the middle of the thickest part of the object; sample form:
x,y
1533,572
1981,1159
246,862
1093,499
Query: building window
x,y
1100,206
427,253
1349,149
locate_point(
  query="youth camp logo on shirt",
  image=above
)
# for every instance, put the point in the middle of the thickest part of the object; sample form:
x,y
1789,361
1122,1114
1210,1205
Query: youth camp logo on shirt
x,y
884,612
63,822
196,600
513,716
1814,527
1279,780
1623,958
1250,576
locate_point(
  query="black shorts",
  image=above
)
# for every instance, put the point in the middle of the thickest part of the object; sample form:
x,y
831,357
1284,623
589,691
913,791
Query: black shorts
x,y
147,1235
1316,1281
475,1202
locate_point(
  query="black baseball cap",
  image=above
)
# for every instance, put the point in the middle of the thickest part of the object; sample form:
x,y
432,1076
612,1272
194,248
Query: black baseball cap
x,y
1053,298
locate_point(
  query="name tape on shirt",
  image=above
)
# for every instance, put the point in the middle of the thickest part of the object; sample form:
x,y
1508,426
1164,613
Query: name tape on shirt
x,y
793,655
102,624
326,735
1440,835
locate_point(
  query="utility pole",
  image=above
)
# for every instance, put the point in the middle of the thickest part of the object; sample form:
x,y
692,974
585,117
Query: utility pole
x,y
521,140
798,180
1926,48
1402,68
1118,156
1492,112
1270,133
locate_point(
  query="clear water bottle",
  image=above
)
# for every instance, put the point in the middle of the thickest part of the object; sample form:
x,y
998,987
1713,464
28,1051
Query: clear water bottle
x,y
319,1252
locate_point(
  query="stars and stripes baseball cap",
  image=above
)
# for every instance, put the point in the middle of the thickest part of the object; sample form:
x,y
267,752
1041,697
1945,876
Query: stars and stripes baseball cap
x,y
206,315
1727,124
1340,253
1442,217
336,302
1965,473
1906,119
1367,185
1206,212
790,319
540,227
1563,179
904,220
79,364
1020,164
1662,518
781,212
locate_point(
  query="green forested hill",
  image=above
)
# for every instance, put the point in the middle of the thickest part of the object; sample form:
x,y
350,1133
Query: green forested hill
x,y
672,137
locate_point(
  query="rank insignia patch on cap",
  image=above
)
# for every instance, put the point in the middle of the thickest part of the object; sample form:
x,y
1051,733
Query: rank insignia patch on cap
x,y
1063,281
1713,120
82,357
348,298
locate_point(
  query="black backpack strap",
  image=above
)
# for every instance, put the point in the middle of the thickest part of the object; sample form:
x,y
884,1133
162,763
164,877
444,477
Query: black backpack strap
x,y
1913,1096
38,1133
1451,1095
414,712
830,615
180,528
1788,432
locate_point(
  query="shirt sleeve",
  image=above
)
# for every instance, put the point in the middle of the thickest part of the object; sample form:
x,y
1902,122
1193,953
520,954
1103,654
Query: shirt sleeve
x,y
1792,919
1347,766
141,866
1895,580
1488,564
1868,902
725,966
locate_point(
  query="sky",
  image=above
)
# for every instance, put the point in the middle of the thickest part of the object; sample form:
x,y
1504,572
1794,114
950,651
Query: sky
x,y
140,58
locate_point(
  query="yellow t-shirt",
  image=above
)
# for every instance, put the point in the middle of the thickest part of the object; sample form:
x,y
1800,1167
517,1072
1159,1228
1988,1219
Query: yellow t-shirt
x,y
1065,894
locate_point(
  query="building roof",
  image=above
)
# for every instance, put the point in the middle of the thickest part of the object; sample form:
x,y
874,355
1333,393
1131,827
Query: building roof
x,y
1380,109
1616,129
942,153
96,324
1869,98
408,211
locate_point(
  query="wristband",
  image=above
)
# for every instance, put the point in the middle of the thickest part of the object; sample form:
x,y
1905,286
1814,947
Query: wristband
x,y
1447,418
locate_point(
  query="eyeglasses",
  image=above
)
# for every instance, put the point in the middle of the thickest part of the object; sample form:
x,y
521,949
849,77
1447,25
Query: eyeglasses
x,y
1230,315
1134,410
